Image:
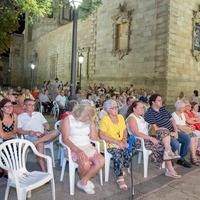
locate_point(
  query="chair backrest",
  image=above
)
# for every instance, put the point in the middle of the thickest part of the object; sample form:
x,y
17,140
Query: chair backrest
x,y
13,154
57,124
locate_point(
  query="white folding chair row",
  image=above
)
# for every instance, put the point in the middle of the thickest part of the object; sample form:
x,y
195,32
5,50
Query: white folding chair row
x,y
13,155
73,165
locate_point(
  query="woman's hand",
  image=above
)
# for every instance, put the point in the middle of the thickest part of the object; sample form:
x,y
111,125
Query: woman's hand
x,y
122,144
174,134
154,140
81,155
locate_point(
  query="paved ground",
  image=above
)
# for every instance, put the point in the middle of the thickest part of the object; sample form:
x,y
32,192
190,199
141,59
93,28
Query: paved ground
x,y
156,186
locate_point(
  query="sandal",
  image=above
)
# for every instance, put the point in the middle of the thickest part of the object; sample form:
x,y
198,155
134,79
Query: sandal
x,y
195,161
121,184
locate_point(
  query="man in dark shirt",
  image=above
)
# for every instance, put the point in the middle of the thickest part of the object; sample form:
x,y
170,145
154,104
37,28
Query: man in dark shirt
x,y
159,117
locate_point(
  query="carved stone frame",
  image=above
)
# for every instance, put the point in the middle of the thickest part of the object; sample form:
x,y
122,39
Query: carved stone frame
x,y
123,16
196,21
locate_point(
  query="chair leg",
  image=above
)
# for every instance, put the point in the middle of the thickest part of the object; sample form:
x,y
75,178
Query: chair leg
x,y
63,169
62,155
7,192
107,168
21,195
52,155
29,194
53,194
145,161
101,176
139,157
71,178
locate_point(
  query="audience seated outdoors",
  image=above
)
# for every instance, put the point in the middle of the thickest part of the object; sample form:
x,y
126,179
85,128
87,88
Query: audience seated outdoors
x,y
77,131
159,145
19,107
180,120
11,96
35,128
8,125
112,129
35,93
158,116
123,110
191,116
69,108
61,101
46,102
28,95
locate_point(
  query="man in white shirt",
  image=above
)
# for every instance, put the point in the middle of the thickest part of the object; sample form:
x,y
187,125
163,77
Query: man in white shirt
x,y
35,128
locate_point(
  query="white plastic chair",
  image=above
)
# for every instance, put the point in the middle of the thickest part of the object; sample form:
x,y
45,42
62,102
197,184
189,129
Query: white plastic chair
x,y
13,159
107,157
60,148
55,109
49,145
73,166
41,107
143,151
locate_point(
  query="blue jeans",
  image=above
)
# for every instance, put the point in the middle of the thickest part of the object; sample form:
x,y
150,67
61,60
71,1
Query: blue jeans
x,y
184,140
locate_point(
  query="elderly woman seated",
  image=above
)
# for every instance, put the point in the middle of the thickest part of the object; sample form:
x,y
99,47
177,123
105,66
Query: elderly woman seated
x,y
182,124
112,129
160,146
77,130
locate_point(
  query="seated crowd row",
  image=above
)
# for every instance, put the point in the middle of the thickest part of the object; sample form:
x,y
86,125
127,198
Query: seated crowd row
x,y
79,126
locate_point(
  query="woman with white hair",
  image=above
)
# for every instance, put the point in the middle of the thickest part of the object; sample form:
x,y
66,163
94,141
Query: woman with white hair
x,y
180,120
112,129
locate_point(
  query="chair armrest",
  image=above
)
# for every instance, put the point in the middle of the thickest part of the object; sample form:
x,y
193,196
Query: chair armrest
x,y
141,140
97,145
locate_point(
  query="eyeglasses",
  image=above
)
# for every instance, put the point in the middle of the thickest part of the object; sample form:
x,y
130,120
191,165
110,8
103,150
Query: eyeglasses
x,y
114,108
30,104
8,106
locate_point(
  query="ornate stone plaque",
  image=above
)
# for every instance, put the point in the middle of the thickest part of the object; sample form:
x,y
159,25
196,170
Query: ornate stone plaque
x,y
121,31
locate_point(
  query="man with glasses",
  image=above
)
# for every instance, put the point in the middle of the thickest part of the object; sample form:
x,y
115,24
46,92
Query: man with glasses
x,y
159,117
35,128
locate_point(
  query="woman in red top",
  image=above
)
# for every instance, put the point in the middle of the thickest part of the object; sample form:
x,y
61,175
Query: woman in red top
x,y
35,93
191,118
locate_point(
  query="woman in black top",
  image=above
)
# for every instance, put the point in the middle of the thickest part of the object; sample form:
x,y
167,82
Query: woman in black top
x,y
8,124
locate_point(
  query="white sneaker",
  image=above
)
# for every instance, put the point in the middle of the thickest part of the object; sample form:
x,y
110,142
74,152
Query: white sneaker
x,y
91,184
85,188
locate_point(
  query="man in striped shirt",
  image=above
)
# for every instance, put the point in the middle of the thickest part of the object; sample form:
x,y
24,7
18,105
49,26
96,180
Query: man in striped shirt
x,y
159,117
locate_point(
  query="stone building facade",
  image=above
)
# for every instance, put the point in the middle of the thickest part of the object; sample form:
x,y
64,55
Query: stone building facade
x,y
147,43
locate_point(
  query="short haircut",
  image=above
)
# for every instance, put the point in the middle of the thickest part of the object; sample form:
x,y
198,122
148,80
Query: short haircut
x,y
152,98
27,100
108,104
179,104
128,98
85,112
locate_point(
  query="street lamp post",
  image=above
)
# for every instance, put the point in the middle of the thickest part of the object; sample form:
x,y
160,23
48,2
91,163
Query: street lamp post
x,y
75,4
32,74
80,60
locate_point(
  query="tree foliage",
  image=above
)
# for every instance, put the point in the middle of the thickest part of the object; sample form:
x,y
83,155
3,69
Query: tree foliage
x,y
11,10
